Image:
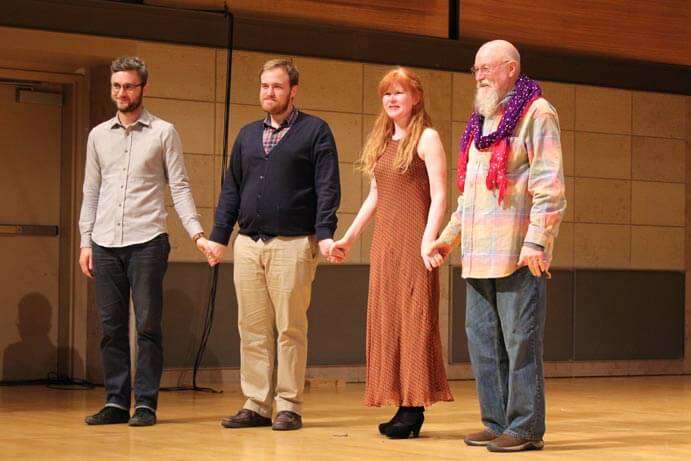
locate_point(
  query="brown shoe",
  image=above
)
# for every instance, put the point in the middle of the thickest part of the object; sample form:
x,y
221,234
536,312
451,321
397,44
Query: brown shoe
x,y
508,443
287,421
479,439
245,418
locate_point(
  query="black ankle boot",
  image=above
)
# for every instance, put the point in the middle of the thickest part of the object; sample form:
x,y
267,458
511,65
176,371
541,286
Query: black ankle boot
x,y
408,422
384,426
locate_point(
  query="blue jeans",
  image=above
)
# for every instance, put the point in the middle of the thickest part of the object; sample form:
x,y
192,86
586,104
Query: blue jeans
x,y
117,271
505,324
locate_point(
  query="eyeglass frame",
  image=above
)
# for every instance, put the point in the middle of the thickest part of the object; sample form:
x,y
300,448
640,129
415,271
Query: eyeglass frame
x,y
487,69
127,87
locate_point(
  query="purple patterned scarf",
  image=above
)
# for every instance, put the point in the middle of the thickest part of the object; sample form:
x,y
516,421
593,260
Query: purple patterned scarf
x,y
526,91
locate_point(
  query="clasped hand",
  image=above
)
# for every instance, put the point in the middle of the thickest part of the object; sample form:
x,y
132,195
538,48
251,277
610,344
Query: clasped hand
x,y
434,253
338,250
214,251
211,250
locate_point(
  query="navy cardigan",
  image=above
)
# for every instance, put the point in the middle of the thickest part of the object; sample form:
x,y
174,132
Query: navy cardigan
x,y
293,191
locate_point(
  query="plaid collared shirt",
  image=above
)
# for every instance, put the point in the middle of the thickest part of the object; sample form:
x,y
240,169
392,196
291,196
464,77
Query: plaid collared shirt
x,y
491,235
273,136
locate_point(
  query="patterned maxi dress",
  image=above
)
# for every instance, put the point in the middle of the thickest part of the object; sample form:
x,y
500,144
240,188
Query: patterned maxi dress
x,y
404,359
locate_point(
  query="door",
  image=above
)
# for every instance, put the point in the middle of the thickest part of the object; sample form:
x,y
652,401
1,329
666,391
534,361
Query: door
x,y
30,152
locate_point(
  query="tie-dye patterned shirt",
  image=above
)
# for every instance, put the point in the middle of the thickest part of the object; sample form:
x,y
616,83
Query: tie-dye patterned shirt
x,y
490,234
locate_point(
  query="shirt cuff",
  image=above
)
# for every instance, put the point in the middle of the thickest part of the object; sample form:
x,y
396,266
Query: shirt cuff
x,y
451,235
324,233
538,237
221,235
193,227
534,246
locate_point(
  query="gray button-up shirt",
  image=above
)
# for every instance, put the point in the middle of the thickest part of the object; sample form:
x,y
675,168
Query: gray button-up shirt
x,y
127,169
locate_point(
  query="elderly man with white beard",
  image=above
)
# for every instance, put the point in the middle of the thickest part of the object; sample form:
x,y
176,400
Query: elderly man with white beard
x,y
512,201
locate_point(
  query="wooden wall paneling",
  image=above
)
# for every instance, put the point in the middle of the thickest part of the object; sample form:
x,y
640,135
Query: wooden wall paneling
x,y
303,38
628,315
407,16
337,316
636,29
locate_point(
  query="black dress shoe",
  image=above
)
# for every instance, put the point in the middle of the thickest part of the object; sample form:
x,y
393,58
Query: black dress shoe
x,y
409,423
108,415
287,421
143,417
245,418
384,426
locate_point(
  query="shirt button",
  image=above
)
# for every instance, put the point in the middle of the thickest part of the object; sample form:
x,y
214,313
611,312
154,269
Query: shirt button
x,y
259,195
261,177
118,224
119,205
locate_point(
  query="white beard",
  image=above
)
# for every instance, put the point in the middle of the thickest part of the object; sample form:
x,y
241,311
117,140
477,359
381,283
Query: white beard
x,y
486,101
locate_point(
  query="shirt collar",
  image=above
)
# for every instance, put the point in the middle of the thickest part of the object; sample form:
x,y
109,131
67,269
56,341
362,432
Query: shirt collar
x,y
508,97
286,123
144,119
502,104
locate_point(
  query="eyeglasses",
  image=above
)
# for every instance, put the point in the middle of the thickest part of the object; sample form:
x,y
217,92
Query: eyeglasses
x,y
486,69
127,87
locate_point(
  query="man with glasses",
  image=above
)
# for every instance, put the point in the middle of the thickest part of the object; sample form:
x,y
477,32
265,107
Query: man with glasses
x,y
124,245
511,204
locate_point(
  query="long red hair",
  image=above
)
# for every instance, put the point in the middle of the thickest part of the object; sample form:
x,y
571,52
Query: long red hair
x,y
383,128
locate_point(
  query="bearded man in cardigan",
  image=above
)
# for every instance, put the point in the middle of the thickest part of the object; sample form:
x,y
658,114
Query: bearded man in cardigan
x,y
511,204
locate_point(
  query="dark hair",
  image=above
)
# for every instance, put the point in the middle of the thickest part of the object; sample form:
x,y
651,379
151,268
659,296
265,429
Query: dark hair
x,y
125,63
288,66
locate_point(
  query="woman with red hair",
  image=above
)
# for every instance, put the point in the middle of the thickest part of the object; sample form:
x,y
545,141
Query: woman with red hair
x,y
405,161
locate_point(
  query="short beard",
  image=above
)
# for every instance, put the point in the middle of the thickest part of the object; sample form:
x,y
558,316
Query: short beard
x,y
132,106
279,109
486,101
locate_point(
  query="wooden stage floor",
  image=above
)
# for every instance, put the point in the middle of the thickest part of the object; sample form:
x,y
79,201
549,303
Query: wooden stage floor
x,y
637,418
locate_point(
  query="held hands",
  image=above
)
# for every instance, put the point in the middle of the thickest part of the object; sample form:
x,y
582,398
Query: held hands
x,y
325,249
434,253
338,250
212,250
535,260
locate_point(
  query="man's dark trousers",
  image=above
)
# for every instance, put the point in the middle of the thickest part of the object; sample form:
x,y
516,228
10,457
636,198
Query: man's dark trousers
x,y
138,269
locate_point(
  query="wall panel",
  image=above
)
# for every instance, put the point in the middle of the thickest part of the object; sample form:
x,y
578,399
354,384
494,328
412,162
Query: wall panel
x,y
337,316
629,315
637,29
410,16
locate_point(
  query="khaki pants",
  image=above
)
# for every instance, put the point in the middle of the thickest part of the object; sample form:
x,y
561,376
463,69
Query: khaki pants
x,y
273,282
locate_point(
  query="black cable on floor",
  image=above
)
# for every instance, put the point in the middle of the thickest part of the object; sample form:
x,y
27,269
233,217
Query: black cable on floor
x,y
211,304
206,332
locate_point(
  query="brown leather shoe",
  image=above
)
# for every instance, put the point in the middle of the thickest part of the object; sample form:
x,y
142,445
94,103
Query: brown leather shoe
x,y
479,439
508,443
287,421
245,418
